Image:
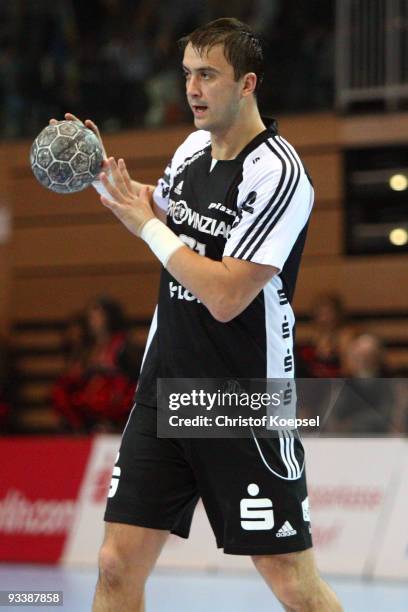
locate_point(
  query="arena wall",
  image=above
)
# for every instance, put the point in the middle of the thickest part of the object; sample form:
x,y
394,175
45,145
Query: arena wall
x,y
65,249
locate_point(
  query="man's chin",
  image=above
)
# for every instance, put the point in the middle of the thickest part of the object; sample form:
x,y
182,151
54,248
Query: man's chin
x,y
201,123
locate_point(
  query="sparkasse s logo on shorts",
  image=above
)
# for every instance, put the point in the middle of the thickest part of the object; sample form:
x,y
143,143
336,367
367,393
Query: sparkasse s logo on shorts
x,y
256,513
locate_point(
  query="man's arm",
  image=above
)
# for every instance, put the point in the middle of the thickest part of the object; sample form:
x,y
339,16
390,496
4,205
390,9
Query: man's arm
x,y
136,186
159,212
225,287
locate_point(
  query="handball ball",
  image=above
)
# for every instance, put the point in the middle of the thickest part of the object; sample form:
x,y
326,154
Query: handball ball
x,y
66,157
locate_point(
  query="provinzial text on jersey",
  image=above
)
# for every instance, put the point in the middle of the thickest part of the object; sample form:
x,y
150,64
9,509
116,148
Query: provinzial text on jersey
x,y
180,212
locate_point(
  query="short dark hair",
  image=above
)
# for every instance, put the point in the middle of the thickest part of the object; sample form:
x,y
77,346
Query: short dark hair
x,y
113,311
242,47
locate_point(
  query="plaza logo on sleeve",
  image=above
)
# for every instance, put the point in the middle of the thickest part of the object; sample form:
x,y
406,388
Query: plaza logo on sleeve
x,y
246,206
256,513
248,202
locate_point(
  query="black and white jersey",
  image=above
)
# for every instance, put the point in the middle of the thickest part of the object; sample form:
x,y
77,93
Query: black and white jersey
x,y
256,208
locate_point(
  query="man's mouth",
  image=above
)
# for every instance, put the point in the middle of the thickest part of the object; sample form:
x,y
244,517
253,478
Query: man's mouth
x,y
198,109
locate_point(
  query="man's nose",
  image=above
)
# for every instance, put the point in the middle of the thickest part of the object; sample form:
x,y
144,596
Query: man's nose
x,y
192,86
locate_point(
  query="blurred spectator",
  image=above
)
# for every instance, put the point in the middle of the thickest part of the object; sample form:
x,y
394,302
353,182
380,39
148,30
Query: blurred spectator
x,y
66,390
164,87
117,60
331,335
365,357
95,393
75,342
366,404
11,94
37,50
299,56
65,393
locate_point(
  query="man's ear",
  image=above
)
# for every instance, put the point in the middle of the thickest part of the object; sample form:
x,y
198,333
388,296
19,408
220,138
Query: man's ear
x,y
249,82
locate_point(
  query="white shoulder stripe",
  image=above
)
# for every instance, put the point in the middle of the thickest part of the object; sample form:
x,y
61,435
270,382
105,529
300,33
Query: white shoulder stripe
x,y
280,207
263,224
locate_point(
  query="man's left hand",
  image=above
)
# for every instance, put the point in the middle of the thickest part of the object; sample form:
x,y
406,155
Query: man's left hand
x,y
133,211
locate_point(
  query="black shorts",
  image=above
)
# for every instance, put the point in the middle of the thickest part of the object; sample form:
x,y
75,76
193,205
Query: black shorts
x,y
253,490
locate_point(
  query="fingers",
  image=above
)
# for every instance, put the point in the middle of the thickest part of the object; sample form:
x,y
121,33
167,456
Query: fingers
x,y
71,117
118,177
144,193
68,117
125,175
105,167
92,126
112,189
88,123
114,206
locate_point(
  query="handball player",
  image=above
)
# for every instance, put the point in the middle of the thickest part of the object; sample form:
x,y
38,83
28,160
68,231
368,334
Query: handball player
x,y
228,222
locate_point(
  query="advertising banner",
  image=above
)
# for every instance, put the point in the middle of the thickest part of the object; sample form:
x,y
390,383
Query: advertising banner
x,y
53,495
391,556
87,530
39,484
351,485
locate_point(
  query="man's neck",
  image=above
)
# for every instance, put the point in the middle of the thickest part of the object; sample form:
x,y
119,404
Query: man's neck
x,y
228,144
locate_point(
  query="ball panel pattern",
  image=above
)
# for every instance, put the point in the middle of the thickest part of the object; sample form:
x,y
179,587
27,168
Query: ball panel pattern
x,y
80,163
66,157
68,128
41,176
63,148
60,172
80,182
46,137
44,157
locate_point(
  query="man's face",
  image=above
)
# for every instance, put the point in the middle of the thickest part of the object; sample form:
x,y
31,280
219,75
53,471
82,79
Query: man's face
x,y
212,91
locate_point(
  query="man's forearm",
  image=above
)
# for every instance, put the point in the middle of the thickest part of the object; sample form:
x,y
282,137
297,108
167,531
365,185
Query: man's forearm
x,y
225,287
214,283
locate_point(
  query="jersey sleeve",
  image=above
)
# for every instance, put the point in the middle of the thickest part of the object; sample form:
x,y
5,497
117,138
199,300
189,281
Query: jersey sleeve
x,y
162,190
274,202
193,143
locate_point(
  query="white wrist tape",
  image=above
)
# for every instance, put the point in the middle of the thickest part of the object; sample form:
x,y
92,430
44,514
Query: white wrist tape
x,y
100,188
162,241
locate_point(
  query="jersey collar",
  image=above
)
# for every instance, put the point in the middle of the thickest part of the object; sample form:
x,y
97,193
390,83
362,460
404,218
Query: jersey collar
x,y
270,130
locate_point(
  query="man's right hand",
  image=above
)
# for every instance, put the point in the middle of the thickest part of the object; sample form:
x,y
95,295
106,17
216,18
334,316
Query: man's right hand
x,y
89,124
135,185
